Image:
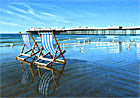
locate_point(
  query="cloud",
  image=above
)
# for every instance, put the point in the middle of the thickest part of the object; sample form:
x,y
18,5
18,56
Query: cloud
x,y
42,23
7,23
25,13
55,17
43,15
23,16
48,14
30,16
62,20
7,11
29,11
17,9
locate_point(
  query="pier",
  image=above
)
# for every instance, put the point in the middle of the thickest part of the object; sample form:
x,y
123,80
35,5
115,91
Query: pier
x,y
115,30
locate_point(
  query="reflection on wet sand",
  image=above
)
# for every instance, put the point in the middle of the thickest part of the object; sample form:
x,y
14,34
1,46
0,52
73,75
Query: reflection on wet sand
x,y
27,78
45,84
120,45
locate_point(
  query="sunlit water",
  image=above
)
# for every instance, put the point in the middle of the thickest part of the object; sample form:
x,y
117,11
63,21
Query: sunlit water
x,y
97,66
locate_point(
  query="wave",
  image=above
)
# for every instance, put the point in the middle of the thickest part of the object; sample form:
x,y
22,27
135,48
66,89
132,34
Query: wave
x,y
11,45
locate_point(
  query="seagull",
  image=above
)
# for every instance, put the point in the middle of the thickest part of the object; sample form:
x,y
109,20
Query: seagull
x,y
12,45
81,49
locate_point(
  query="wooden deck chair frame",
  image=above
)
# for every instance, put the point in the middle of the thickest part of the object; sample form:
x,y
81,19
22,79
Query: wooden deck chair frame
x,y
52,60
27,55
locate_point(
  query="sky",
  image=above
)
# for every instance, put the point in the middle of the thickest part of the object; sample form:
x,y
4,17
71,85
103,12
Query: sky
x,y
20,15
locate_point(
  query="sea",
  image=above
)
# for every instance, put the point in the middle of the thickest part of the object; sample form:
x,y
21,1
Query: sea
x,y
96,66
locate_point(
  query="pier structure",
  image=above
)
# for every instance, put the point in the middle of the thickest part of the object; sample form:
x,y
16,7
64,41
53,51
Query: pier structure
x,y
91,31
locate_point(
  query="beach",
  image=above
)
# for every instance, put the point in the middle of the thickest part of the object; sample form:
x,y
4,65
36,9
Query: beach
x,y
96,66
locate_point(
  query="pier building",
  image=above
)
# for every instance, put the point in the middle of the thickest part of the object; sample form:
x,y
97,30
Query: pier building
x,y
93,31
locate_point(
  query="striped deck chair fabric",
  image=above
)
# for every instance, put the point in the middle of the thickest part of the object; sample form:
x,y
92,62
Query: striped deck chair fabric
x,y
25,37
47,42
29,54
52,54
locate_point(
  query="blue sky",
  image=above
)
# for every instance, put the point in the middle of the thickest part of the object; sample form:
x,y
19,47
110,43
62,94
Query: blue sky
x,y
20,15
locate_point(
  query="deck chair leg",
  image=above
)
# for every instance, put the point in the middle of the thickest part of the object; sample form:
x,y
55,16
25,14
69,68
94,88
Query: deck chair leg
x,y
58,80
30,65
21,63
51,65
54,78
39,72
63,68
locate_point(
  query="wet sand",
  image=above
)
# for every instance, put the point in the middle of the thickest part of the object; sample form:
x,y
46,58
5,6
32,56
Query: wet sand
x,y
98,71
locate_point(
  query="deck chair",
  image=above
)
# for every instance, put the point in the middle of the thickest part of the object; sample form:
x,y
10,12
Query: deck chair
x,y
51,55
28,52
